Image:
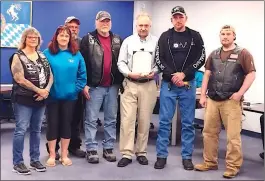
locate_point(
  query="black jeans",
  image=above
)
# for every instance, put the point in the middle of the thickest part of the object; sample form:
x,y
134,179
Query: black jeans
x,y
76,141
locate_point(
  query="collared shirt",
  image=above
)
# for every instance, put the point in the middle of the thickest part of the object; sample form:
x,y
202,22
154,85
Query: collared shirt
x,y
134,43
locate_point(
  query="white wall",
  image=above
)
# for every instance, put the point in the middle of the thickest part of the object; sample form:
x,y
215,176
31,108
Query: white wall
x,y
207,17
139,6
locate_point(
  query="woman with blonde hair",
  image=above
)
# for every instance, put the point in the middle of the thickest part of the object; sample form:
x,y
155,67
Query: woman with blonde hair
x,y
32,80
70,78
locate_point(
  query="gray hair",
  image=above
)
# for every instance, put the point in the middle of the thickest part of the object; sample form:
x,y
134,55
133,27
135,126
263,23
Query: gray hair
x,y
26,32
144,14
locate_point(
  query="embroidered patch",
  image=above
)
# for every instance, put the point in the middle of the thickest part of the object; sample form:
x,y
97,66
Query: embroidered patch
x,y
116,40
175,45
231,60
91,40
235,56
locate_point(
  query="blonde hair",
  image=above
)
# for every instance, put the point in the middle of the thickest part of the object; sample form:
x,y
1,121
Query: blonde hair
x,y
26,32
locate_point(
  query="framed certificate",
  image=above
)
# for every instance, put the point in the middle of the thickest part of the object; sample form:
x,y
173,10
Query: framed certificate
x,y
142,62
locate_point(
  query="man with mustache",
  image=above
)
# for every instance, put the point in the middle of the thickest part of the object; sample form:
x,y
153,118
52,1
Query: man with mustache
x,y
180,53
140,91
100,50
75,142
229,73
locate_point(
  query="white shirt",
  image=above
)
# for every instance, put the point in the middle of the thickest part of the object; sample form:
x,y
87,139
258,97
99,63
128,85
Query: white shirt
x,y
134,43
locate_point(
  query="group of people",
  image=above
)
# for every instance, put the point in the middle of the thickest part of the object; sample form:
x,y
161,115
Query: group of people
x,y
75,74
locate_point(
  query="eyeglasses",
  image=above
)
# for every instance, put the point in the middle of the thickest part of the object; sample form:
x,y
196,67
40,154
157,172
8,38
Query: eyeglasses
x,y
32,37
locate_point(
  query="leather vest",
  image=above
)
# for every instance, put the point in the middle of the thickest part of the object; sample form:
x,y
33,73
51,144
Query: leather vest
x,y
31,73
226,77
96,58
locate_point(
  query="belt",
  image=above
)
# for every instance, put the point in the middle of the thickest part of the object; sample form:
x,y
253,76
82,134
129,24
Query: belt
x,y
139,80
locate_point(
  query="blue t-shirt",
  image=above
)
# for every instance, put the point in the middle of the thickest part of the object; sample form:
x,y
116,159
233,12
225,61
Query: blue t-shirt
x,y
69,74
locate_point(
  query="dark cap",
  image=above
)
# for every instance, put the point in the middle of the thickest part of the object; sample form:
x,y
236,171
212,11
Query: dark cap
x,y
103,15
71,18
178,10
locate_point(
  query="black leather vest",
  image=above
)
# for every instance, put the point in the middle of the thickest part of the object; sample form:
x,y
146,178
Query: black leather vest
x,y
226,77
31,73
96,58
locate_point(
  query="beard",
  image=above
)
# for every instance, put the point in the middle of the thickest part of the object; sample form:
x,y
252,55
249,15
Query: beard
x,y
105,29
74,36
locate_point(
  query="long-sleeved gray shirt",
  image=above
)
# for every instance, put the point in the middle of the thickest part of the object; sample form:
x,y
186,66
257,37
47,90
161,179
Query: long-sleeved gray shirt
x,y
134,43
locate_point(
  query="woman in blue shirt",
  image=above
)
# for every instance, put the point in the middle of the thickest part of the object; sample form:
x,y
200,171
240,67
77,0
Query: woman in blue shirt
x,y
69,71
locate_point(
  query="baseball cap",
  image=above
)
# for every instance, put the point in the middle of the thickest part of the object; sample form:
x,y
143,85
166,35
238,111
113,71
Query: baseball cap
x,y
71,18
228,27
103,15
178,10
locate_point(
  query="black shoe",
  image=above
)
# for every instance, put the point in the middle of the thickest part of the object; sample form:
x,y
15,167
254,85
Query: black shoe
x,y
92,156
152,126
124,162
142,160
21,169
109,155
77,152
187,164
262,155
37,166
160,163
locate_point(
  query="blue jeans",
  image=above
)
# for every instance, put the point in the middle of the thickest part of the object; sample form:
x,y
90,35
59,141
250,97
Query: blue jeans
x,y
108,96
25,117
168,99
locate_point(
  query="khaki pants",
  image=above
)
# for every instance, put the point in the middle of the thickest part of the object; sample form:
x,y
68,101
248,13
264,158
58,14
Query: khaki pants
x,y
230,112
139,100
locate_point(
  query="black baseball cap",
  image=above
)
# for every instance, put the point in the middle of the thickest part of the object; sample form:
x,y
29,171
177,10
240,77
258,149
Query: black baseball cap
x,y
178,10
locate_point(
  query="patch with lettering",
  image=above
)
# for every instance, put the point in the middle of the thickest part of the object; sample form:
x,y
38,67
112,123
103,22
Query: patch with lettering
x,y
234,56
231,60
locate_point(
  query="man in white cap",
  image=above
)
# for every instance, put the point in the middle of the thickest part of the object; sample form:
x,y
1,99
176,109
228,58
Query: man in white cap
x,y
73,23
100,50
74,147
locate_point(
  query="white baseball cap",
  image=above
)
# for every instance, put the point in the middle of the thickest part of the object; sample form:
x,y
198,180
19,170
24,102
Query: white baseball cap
x,y
71,18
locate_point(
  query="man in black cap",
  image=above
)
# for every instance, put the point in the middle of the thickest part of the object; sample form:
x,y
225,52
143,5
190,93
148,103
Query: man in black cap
x,y
75,142
100,50
180,53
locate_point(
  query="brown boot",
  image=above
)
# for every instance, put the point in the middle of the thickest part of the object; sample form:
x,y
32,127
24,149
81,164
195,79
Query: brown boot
x,y
230,174
205,167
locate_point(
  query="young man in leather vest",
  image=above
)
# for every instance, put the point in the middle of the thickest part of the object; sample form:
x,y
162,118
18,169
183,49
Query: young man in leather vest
x,y
229,72
100,50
